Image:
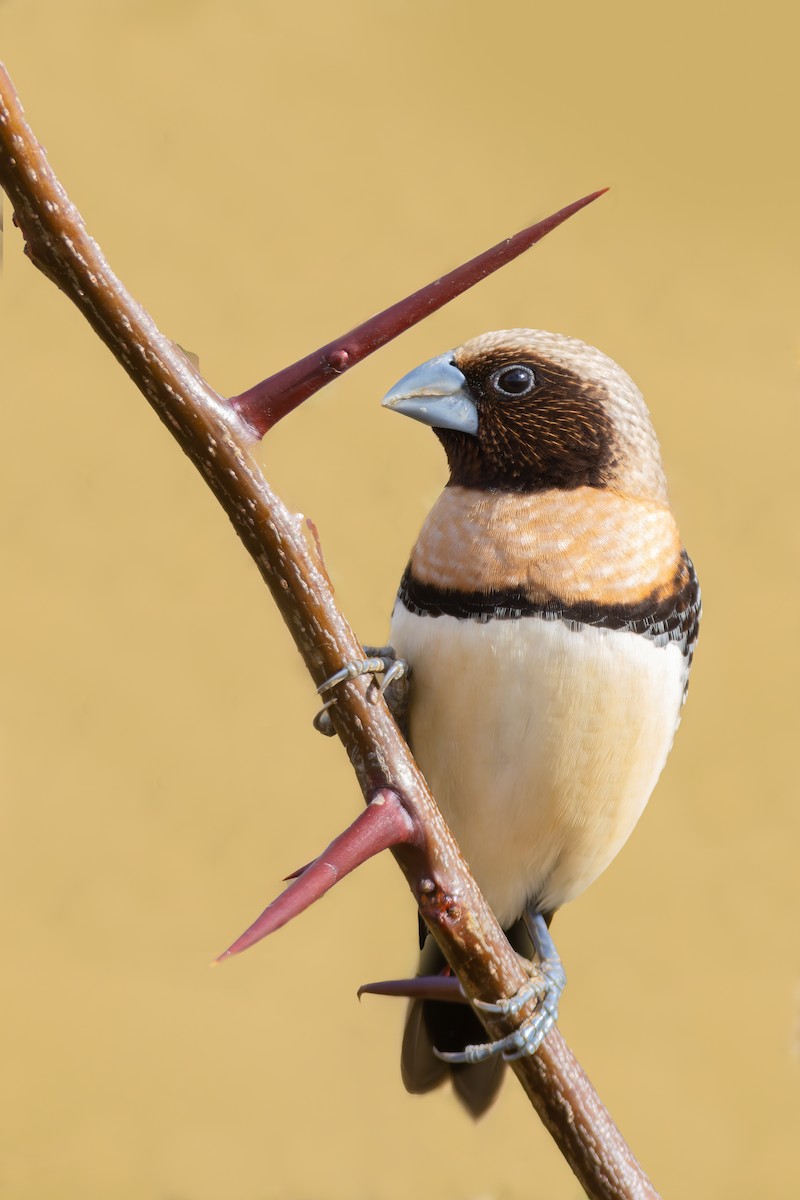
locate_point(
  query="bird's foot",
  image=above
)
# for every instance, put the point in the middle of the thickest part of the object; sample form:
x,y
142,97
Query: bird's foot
x,y
381,660
545,984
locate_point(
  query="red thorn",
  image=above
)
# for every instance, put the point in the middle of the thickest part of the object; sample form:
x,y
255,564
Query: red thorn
x,y
300,871
383,823
424,987
263,405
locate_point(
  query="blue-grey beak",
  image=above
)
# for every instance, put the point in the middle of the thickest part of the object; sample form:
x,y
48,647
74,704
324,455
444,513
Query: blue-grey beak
x,y
436,394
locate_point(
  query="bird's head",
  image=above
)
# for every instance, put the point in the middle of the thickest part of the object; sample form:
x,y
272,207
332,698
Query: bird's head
x,y
524,410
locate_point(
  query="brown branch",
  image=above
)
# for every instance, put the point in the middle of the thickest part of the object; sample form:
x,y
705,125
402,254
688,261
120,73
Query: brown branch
x,y
214,437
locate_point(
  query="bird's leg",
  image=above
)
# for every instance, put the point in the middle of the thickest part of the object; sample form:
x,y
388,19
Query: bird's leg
x,y
546,984
380,660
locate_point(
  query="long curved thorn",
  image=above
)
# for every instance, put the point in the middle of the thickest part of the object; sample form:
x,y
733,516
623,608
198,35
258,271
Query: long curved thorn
x,y
263,405
422,987
383,823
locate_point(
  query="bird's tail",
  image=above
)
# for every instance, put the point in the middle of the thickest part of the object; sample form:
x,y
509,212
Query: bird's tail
x,y
451,1027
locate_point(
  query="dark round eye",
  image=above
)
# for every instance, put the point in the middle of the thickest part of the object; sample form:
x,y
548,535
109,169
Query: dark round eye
x,y
514,381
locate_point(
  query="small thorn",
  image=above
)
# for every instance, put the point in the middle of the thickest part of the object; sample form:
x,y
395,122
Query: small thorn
x,y
300,871
422,987
314,535
383,823
263,405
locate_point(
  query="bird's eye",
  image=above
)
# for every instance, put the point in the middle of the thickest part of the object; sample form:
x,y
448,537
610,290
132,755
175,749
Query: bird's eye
x,y
514,381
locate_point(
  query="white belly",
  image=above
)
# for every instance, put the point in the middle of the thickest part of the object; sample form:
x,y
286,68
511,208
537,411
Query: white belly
x,y
541,744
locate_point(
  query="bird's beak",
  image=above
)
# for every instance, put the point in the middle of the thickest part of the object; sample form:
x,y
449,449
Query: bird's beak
x,y
436,394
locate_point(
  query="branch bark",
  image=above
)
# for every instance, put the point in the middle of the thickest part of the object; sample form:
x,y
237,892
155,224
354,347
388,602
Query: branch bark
x,y
215,437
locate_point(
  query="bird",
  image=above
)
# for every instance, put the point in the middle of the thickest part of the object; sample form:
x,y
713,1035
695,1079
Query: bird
x,y
548,614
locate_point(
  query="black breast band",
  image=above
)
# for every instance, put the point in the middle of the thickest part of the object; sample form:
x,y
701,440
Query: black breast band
x,y
674,618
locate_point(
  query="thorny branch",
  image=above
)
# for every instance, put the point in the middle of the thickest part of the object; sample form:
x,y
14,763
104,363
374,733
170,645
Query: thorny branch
x,y
215,434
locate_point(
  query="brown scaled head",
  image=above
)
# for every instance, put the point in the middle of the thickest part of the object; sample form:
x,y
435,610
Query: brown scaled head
x,y
524,410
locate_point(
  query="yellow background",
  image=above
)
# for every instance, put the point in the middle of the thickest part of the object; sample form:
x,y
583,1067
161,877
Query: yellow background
x,y
263,176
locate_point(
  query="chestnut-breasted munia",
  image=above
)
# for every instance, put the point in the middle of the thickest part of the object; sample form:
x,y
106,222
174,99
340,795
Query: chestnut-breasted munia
x,y
548,613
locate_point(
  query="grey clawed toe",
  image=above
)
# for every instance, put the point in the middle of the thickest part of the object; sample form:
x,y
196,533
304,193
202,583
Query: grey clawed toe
x,y
381,660
545,984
